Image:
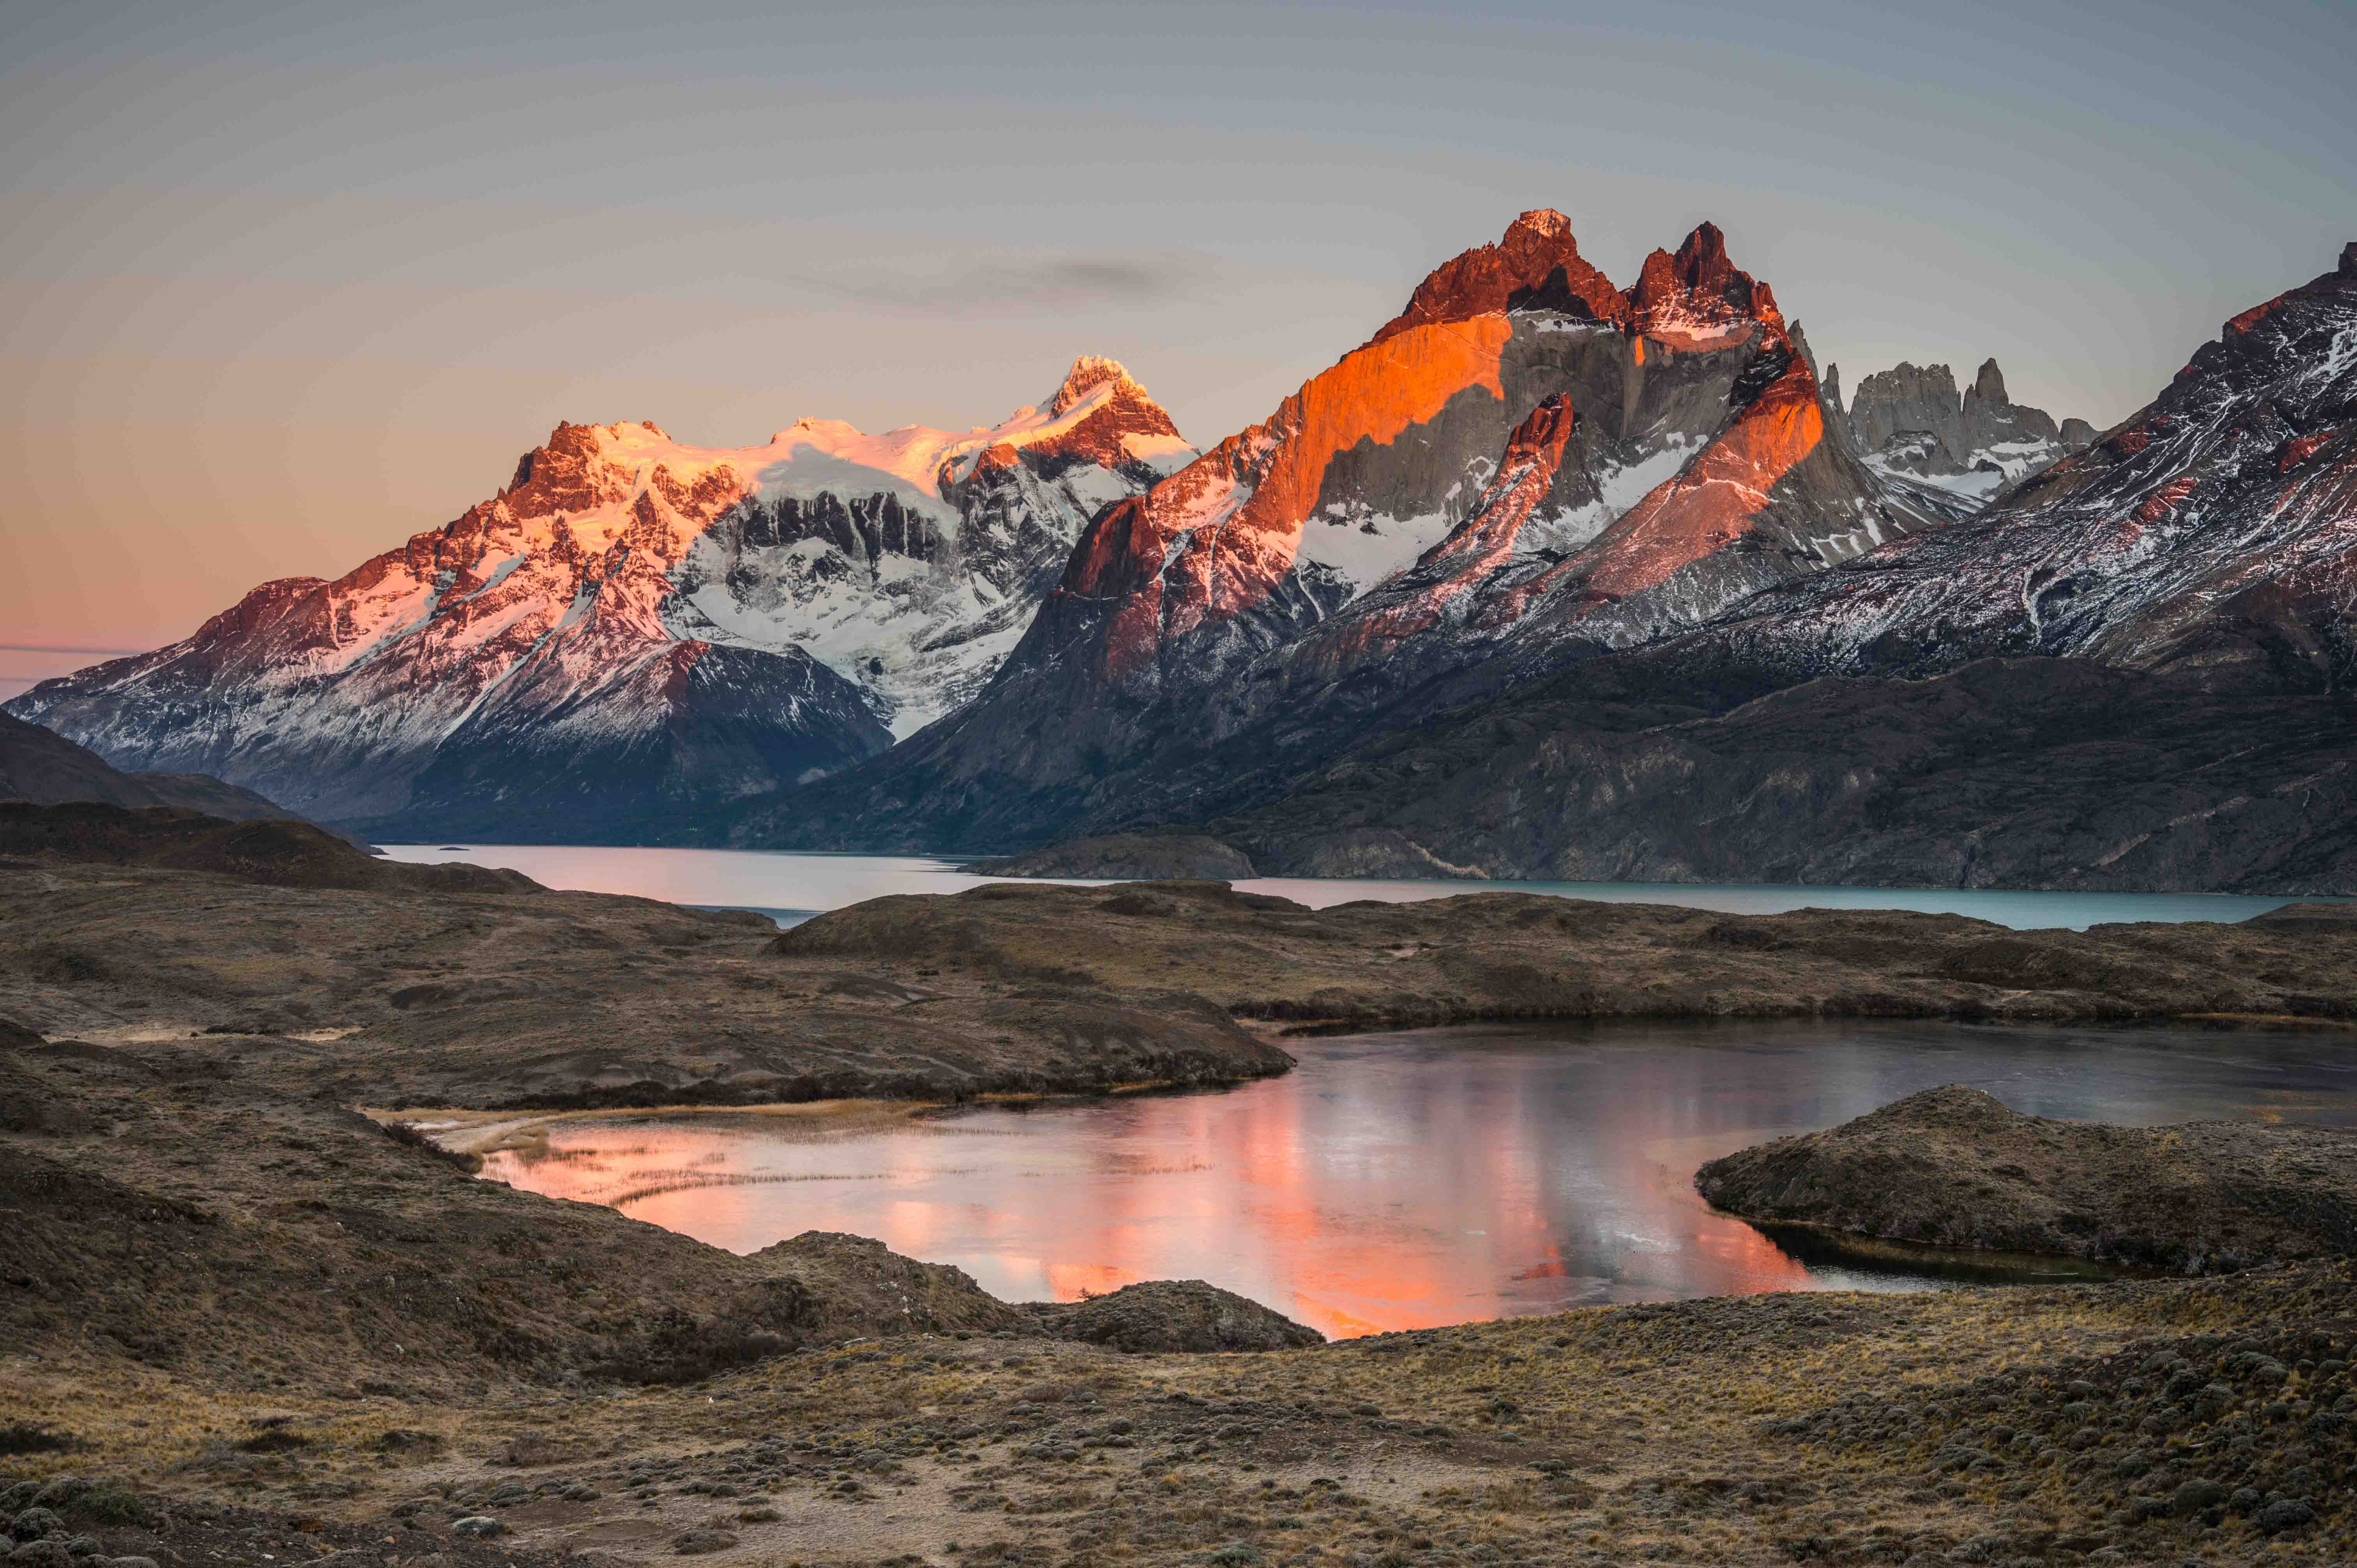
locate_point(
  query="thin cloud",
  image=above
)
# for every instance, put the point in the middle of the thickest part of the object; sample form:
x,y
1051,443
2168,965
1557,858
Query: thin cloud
x,y
1068,281
63,648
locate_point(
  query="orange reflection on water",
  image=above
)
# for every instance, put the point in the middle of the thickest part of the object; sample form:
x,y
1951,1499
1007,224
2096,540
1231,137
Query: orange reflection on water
x,y
1074,1281
1365,1192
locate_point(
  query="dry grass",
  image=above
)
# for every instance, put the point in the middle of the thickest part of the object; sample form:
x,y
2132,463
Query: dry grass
x,y
1602,1436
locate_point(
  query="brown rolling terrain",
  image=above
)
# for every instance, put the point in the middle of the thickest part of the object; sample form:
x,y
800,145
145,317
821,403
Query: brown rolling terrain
x,y
1518,955
241,1326
240,1323
456,985
387,985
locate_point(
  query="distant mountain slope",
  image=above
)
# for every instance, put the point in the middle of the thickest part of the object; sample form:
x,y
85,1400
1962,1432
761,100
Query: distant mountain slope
x,y
637,625
282,852
2217,526
43,766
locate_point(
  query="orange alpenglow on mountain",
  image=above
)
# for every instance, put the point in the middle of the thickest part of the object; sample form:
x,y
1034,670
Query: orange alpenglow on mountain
x,y
1485,338
1461,562
1536,265
1702,509
1242,504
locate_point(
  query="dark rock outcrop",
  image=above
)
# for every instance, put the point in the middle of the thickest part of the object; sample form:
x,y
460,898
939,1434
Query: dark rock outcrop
x,y
1165,1315
1126,857
275,852
1954,1168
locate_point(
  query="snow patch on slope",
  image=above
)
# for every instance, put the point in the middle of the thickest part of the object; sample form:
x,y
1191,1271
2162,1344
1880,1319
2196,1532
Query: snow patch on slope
x,y
1364,548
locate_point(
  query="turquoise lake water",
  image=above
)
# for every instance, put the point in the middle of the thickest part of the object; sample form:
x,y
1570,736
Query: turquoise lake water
x,y
792,887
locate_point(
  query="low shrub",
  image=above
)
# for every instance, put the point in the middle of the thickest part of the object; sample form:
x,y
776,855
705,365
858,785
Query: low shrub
x,y
23,1437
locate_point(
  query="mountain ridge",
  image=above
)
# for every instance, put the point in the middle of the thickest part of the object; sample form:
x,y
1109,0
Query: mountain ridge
x,y
2133,672
44,767
1699,460
1071,623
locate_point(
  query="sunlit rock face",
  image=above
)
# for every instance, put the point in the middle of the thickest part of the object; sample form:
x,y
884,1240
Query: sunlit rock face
x,y
1399,516
637,628
1692,419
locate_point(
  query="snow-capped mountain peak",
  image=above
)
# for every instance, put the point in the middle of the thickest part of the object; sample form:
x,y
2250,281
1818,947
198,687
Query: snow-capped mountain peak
x,y
635,622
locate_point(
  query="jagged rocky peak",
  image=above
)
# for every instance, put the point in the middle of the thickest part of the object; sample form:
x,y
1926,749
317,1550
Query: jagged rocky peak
x,y
1098,415
1694,295
1829,393
567,471
1302,515
1100,412
1911,424
1989,385
1089,372
1535,264
1907,398
1698,293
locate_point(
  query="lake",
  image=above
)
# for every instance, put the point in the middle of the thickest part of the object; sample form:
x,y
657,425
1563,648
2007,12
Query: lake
x,y
1406,1180
790,888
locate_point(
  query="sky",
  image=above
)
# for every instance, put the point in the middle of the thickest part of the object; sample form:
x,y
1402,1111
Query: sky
x,y
281,284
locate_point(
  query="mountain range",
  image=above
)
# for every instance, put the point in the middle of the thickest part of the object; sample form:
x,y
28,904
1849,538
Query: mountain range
x,y
633,625
1551,577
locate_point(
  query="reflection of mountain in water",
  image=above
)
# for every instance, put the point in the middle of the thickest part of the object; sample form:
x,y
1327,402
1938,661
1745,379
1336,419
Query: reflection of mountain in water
x,y
1410,1180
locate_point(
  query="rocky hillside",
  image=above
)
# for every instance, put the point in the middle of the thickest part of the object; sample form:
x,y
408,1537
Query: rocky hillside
x,y
43,766
2213,528
385,983
1954,1168
635,626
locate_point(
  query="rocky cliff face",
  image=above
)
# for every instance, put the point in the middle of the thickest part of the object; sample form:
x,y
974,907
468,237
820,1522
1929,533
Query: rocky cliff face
x,y
635,626
1525,456
1909,425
